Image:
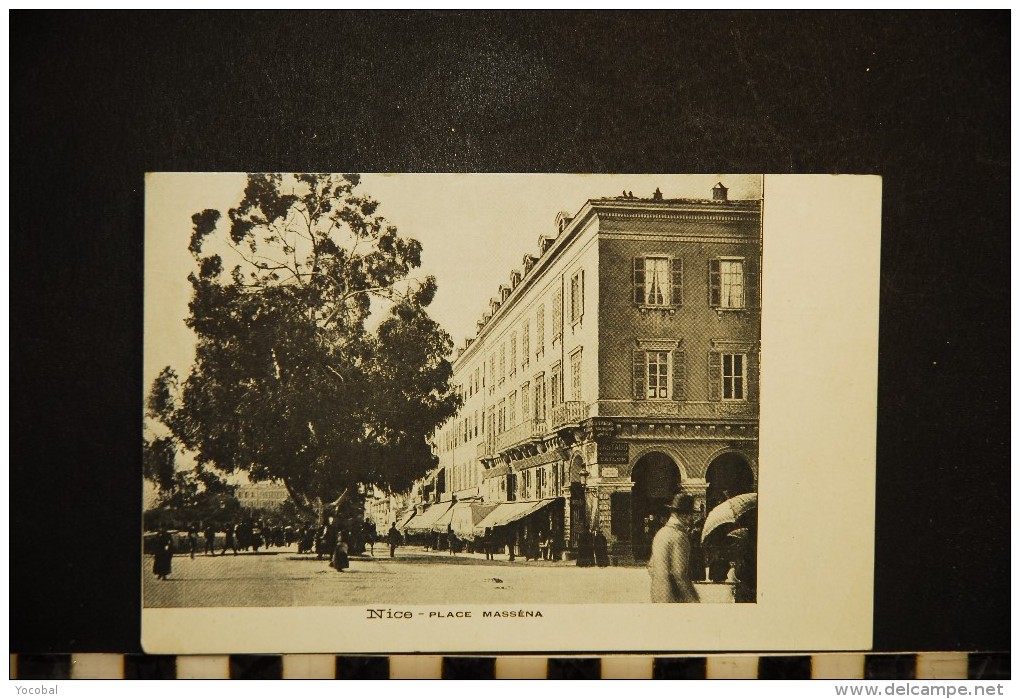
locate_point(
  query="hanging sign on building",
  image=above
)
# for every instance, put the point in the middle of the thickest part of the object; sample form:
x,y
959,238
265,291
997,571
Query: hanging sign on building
x,y
601,428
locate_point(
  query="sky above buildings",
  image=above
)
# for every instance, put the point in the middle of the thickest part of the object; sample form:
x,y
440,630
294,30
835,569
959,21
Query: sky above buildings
x,y
474,230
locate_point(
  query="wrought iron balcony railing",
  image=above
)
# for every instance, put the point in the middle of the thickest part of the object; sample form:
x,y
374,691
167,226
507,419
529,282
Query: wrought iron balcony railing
x,y
571,412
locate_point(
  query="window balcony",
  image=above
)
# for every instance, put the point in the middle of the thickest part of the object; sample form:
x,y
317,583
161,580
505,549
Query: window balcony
x,y
571,412
485,448
523,432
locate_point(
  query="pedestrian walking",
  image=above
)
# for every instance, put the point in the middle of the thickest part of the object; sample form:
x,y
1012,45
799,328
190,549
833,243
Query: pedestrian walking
x,y
193,540
341,561
488,545
161,566
307,543
451,539
368,531
394,539
671,552
229,541
320,543
210,540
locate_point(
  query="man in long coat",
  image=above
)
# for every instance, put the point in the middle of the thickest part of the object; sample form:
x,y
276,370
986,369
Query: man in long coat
x,y
394,538
669,565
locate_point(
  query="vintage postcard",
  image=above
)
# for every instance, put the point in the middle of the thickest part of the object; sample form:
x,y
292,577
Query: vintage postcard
x,y
453,413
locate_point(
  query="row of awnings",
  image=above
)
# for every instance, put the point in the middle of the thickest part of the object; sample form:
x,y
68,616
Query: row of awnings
x,y
470,519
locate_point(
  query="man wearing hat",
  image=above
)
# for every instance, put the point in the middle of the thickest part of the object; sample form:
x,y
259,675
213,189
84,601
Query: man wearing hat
x,y
671,554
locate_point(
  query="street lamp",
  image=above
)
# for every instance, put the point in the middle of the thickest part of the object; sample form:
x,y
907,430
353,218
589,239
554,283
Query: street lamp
x,y
582,520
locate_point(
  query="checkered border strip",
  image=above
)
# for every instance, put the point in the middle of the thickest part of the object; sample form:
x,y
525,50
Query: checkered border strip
x,y
834,666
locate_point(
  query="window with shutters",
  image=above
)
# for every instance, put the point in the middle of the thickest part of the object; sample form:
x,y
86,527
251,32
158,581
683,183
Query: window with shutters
x,y
557,315
575,375
555,384
476,424
492,373
511,410
513,354
525,344
576,297
539,398
525,401
540,331
659,370
501,425
658,281
731,283
502,363
729,376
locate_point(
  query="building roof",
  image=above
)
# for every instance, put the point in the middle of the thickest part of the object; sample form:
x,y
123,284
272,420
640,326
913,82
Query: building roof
x,y
627,202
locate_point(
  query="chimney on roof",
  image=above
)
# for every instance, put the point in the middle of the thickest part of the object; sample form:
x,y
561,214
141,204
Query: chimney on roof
x,y
719,192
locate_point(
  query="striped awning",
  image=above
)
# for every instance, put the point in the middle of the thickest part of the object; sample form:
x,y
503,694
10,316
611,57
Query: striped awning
x,y
424,521
510,512
465,515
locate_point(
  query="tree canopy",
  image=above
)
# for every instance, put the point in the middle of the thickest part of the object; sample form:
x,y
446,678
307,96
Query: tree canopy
x,y
289,382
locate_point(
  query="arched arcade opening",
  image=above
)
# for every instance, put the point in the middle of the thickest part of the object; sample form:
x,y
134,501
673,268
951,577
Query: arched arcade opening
x,y
728,475
656,479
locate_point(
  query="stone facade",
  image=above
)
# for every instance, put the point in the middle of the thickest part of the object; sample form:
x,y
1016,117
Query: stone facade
x,y
616,368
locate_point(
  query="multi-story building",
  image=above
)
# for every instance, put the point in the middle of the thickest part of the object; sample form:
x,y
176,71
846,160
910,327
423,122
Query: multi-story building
x,y
267,495
616,367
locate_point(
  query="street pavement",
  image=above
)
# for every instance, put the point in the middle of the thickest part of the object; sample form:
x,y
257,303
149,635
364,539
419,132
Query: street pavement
x,y
281,577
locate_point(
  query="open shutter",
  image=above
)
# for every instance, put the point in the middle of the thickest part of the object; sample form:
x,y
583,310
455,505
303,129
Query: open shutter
x,y
580,296
753,368
639,375
751,289
557,312
679,374
714,375
676,275
639,281
714,284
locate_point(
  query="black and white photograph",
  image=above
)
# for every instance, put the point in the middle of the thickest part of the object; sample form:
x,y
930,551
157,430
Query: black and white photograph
x,y
426,389
501,391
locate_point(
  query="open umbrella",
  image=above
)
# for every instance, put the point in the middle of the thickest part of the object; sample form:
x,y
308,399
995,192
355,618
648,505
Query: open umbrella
x,y
738,535
728,512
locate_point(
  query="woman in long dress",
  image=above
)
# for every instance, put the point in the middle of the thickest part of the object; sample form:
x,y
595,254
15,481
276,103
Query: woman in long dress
x,y
163,562
340,560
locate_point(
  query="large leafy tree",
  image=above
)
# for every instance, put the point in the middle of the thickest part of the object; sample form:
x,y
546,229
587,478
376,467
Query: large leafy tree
x,y
289,380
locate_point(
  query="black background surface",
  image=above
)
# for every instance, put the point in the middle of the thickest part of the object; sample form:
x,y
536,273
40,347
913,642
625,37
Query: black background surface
x,y
98,99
